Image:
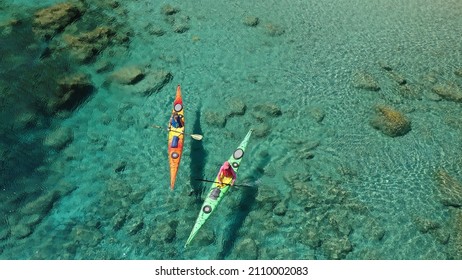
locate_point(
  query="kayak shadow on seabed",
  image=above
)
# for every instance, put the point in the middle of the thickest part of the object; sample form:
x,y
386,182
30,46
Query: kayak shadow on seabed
x,y
198,159
245,205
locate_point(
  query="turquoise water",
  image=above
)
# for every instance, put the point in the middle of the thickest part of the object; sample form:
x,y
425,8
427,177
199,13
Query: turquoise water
x,y
325,184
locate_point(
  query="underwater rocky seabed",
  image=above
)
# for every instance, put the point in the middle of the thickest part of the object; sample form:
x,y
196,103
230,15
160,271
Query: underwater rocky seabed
x,y
356,109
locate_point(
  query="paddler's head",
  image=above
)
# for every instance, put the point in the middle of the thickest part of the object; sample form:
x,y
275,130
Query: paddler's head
x,y
226,165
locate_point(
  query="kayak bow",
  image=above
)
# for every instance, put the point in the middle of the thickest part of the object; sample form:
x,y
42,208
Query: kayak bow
x,y
216,194
175,139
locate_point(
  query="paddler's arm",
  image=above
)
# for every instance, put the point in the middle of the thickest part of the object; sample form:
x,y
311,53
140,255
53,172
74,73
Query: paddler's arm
x,y
220,178
234,176
220,175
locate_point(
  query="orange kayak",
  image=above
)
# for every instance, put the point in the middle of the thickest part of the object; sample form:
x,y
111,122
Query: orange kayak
x,y
175,138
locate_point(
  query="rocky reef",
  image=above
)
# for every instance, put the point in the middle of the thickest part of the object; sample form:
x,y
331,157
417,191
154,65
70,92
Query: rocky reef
x,y
53,20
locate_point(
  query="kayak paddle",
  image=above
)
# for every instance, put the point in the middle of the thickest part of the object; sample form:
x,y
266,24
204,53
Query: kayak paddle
x,y
204,180
193,136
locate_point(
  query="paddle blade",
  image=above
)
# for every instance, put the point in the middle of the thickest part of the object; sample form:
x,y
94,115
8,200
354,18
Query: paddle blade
x,y
196,136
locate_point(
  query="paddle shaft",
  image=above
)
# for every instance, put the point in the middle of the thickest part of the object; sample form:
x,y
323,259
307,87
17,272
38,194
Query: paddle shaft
x,y
194,136
204,180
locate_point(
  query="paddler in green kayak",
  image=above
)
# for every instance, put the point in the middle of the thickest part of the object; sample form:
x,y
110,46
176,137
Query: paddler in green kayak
x,y
226,171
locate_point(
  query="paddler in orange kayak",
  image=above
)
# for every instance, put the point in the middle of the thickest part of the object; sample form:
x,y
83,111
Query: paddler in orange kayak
x,y
176,120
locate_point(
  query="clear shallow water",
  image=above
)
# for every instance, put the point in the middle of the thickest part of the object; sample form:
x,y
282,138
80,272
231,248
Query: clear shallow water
x,y
327,185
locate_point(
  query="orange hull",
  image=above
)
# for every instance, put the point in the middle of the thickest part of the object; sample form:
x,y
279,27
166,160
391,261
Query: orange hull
x,y
175,150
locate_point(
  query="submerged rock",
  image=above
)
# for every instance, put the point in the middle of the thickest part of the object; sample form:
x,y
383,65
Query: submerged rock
x,y
395,76
164,235
85,46
448,91
365,81
181,26
59,138
31,220
425,225
280,209
72,91
136,225
269,109
169,10
167,232
450,189
86,236
214,118
441,235
128,75
20,231
52,20
398,78
317,114
236,108
458,72
153,82
455,241
6,27
409,92
118,220
155,30
336,249
390,121
261,130
385,66
4,233
42,205
251,21
267,198
311,237
26,120
104,66
246,249
120,166
274,30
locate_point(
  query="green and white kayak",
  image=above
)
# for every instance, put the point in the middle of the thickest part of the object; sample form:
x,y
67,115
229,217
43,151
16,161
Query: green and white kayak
x,y
216,194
